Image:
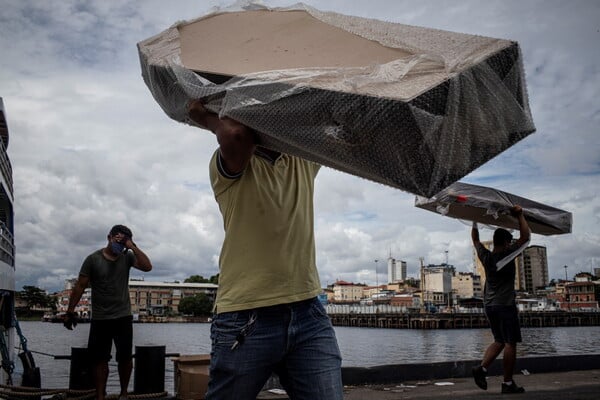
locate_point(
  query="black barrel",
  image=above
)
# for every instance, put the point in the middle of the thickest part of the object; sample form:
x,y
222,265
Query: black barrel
x,y
80,375
149,370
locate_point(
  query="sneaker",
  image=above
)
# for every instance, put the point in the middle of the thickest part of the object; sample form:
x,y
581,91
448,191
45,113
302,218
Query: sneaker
x,y
512,388
480,378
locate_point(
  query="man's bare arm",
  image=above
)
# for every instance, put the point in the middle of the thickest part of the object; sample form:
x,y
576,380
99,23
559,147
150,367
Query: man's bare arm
x,y
80,286
524,232
236,141
143,262
475,234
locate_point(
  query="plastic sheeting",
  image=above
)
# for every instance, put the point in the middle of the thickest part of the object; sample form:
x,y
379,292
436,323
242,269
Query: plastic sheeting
x,y
419,122
492,207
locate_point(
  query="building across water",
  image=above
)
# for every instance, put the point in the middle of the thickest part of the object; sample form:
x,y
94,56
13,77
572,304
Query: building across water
x,y
147,298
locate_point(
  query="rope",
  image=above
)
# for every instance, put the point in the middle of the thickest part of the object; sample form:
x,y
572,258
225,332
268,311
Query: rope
x,y
22,337
38,352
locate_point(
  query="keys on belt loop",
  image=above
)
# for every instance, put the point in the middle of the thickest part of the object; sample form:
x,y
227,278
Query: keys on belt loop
x,y
239,339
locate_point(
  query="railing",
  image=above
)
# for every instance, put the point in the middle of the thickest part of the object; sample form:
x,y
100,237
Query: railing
x,y
365,316
6,167
7,245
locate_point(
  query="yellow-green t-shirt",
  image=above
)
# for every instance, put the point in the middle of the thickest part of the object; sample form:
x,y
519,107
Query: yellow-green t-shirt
x,y
268,254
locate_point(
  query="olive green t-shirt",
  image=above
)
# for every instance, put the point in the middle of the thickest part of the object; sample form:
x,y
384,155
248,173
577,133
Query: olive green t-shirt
x,y
268,254
110,284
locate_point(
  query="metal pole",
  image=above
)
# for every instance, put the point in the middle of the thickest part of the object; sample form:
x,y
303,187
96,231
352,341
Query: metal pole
x,y
376,277
80,375
149,369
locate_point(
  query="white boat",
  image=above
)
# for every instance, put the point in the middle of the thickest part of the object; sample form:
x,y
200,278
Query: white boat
x,y
7,254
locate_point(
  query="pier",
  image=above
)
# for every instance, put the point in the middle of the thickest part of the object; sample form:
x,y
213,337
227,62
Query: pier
x,y
528,319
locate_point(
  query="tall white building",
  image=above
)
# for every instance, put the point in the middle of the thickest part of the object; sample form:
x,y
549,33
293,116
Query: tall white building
x,y
396,270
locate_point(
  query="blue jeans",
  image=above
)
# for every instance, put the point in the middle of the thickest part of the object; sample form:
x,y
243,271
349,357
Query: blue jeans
x,y
296,341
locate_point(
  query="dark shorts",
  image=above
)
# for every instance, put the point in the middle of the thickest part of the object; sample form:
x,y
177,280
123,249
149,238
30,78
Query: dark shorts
x,y
104,332
504,321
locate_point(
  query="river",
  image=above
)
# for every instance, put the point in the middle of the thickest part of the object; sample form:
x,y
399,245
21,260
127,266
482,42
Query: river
x,y
360,347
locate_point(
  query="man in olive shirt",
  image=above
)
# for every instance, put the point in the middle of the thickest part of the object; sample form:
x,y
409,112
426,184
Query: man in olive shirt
x,y
499,299
107,270
267,315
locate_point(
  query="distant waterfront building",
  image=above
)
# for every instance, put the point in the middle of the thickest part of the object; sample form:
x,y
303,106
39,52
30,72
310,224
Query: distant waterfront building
x,y
162,298
83,308
329,292
535,304
581,296
437,284
347,292
479,270
467,285
396,270
147,298
408,300
532,266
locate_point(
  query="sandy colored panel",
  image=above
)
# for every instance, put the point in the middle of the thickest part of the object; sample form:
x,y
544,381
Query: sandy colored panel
x,y
239,43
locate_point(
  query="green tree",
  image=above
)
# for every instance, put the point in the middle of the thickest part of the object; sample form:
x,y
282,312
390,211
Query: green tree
x,y
196,279
196,305
200,279
35,296
52,302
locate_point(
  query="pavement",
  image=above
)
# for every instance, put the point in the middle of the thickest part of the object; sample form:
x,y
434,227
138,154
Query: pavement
x,y
554,385
570,385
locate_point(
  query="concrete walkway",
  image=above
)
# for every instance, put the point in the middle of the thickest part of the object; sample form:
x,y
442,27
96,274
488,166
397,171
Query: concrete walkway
x,y
572,385
555,385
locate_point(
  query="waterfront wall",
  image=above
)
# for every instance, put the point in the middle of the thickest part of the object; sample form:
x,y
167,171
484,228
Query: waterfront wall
x,y
528,319
462,369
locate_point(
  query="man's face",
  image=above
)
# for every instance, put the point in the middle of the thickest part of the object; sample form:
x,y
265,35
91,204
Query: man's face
x,y
117,243
119,238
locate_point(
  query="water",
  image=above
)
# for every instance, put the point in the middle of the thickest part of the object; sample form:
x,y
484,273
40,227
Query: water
x,y
360,347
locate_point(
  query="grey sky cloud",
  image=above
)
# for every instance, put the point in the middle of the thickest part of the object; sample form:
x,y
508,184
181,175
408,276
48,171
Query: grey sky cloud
x,y
90,147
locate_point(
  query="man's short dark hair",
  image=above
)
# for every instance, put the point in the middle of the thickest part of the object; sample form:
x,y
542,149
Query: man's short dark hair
x,y
501,237
115,230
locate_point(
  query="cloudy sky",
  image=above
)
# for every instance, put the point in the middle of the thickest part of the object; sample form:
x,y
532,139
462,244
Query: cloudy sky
x,y
90,147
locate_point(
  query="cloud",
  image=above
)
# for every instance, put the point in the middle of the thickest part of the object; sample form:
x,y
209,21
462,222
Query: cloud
x,y
90,147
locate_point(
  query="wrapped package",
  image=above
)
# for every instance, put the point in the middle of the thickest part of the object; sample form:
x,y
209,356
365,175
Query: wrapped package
x,y
492,207
409,107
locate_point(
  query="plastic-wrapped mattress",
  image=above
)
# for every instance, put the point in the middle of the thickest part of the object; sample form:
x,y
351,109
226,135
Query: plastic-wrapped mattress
x,y
492,207
409,107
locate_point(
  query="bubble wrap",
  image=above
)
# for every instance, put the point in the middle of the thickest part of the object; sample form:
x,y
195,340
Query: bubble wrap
x,y
417,123
492,207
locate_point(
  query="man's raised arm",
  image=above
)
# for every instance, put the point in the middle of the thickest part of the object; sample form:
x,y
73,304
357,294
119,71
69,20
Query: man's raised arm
x,y
236,141
524,232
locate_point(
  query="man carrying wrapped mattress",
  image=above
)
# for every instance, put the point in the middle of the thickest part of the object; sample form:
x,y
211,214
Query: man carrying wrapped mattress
x,y
267,315
499,299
